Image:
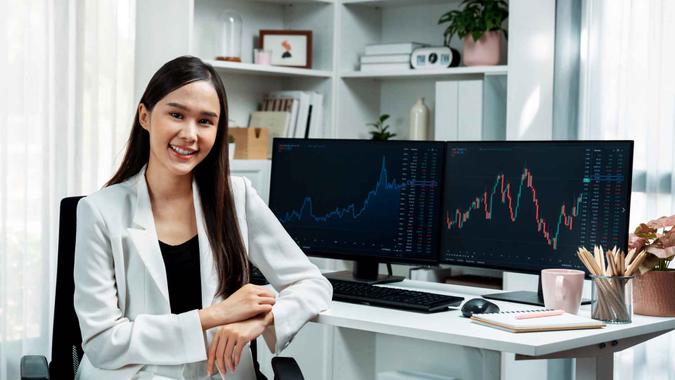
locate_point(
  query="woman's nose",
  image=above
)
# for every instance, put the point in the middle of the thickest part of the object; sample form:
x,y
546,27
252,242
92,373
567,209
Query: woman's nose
x,y
189,131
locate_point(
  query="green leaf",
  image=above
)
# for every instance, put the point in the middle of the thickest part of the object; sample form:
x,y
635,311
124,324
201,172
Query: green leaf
x,y
474,18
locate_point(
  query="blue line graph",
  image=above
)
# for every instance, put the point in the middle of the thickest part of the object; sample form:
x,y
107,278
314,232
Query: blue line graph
x,y
385,195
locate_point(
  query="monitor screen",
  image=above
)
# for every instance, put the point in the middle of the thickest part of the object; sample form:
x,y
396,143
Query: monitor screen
x,y
527,206
360,199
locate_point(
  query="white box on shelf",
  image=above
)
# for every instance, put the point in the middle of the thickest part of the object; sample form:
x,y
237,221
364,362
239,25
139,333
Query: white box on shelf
x,y
385,66
388,58
392,48
459,117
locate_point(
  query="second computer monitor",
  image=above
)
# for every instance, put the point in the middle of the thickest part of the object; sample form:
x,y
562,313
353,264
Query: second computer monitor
x,y
527,206
360,199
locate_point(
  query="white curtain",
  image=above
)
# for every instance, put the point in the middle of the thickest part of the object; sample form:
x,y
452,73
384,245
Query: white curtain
x,y
66,106
627,91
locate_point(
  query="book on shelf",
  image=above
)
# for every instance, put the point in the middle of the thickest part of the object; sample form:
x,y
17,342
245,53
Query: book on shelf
x,y
369,67
305,108
303,100
315,128
393,48
283,104
507,320
388,58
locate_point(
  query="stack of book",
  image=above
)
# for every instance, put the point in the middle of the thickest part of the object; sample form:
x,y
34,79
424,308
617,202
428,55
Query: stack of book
x,y
296,114
389,56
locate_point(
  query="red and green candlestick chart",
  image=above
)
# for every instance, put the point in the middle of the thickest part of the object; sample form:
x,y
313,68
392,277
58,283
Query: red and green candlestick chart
x,y
482,205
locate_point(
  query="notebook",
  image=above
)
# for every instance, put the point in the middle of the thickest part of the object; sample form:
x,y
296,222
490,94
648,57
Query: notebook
x,y
506,320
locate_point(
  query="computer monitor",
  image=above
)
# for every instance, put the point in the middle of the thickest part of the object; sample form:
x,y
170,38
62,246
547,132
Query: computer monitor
x,y
528,206
363,200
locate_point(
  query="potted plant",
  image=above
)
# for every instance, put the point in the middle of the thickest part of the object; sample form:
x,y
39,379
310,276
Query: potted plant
x,y
654,286
230,146
380,132
479,23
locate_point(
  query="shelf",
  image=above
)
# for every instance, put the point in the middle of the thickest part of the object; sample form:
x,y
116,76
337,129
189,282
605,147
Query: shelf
x,y
266,70
472,71
290,2
395,3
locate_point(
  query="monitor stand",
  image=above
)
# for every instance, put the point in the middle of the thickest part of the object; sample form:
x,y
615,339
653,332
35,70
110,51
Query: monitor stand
x,y
365,271
526,297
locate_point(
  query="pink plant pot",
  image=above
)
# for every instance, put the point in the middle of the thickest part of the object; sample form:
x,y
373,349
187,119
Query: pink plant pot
x,y
484,52
653,294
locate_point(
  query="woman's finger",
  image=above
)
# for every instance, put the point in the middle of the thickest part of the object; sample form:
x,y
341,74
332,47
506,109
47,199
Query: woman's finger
x,y
264,292
267,300
212,353
262,308
228,352
237,351
220,353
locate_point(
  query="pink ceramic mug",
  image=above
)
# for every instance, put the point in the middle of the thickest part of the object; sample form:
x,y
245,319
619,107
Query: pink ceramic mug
x,y
562,289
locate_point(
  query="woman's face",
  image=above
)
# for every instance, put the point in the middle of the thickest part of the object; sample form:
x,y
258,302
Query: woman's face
x,y
182,127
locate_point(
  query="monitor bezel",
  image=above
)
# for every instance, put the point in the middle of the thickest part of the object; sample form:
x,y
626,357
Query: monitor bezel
x,y
364,256
448,144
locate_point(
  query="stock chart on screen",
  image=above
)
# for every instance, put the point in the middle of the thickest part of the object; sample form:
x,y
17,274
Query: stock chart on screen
x,y
380,199
529,205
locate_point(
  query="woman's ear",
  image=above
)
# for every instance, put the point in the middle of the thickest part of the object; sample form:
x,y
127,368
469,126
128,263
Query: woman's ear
x,y
144,116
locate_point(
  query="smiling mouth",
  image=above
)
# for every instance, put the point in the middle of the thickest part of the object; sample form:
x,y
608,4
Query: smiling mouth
x,y
182,151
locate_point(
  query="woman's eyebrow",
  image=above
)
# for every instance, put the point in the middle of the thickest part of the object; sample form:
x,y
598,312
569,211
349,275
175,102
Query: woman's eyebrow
x,y
205,113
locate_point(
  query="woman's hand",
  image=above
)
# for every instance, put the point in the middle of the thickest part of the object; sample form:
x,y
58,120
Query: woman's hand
x,y
229,341
247,302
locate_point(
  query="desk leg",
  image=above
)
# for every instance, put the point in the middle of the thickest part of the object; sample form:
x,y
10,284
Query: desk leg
x,y
599,367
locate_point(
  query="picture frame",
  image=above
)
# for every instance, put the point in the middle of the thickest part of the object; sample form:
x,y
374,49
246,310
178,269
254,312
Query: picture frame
x,y
291,48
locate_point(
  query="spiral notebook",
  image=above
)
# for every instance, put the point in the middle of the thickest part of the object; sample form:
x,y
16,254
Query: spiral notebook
x,y
506,320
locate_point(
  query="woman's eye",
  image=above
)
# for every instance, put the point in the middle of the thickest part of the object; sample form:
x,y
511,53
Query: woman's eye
x,y
206,121
176,115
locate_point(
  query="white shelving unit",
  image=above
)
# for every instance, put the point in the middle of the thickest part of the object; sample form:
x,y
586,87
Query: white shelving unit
x,y
341,30
458,73
234,68
512,100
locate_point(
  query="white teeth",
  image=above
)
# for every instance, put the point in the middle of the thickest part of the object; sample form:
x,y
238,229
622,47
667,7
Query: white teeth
x,y
183,152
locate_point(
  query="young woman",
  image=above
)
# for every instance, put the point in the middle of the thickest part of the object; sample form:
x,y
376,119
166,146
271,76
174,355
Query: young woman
x,y
162,252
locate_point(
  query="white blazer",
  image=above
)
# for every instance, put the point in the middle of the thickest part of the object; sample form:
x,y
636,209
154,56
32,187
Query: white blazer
x,y
122,298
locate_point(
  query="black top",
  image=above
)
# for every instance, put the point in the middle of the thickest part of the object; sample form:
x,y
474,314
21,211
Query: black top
x,y
182,275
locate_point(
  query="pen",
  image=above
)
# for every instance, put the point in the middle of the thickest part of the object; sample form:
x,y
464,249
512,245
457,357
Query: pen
x,y
539,314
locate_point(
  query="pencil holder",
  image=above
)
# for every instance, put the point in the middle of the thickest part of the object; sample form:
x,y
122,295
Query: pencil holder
x,y
612,299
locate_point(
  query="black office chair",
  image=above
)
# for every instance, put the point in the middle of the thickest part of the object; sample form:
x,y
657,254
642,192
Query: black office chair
x,y
67,339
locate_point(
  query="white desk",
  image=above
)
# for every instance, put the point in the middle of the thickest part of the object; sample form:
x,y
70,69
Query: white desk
x,y
448,342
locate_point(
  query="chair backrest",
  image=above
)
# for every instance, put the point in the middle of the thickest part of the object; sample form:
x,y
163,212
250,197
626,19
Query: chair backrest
x,y
66,339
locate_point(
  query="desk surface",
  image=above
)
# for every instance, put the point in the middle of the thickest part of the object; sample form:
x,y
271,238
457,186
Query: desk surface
x,y
451,327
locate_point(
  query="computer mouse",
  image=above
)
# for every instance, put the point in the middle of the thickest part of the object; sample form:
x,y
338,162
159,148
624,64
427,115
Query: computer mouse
x,y
478,306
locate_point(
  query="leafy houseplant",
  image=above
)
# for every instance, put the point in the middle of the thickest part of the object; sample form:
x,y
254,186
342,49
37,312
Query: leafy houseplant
x,y
479,23
654,287
657,238
380,132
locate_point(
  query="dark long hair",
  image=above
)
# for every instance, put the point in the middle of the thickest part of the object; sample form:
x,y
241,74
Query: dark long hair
x,y
211,175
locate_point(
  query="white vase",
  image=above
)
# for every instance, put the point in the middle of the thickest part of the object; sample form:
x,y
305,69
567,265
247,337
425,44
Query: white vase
x,y
419,120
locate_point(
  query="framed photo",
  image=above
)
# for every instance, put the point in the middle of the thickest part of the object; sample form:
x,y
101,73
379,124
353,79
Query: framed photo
x,y
289,47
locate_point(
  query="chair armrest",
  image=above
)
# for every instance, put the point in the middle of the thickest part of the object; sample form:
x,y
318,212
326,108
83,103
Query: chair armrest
x,y
34,367
286,369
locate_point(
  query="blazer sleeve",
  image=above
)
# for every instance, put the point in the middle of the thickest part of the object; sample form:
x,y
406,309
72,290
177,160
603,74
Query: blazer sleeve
x,y
109,339
303,291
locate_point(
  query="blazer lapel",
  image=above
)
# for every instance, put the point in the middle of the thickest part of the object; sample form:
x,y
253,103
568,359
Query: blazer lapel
x,y
208,273
144,236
